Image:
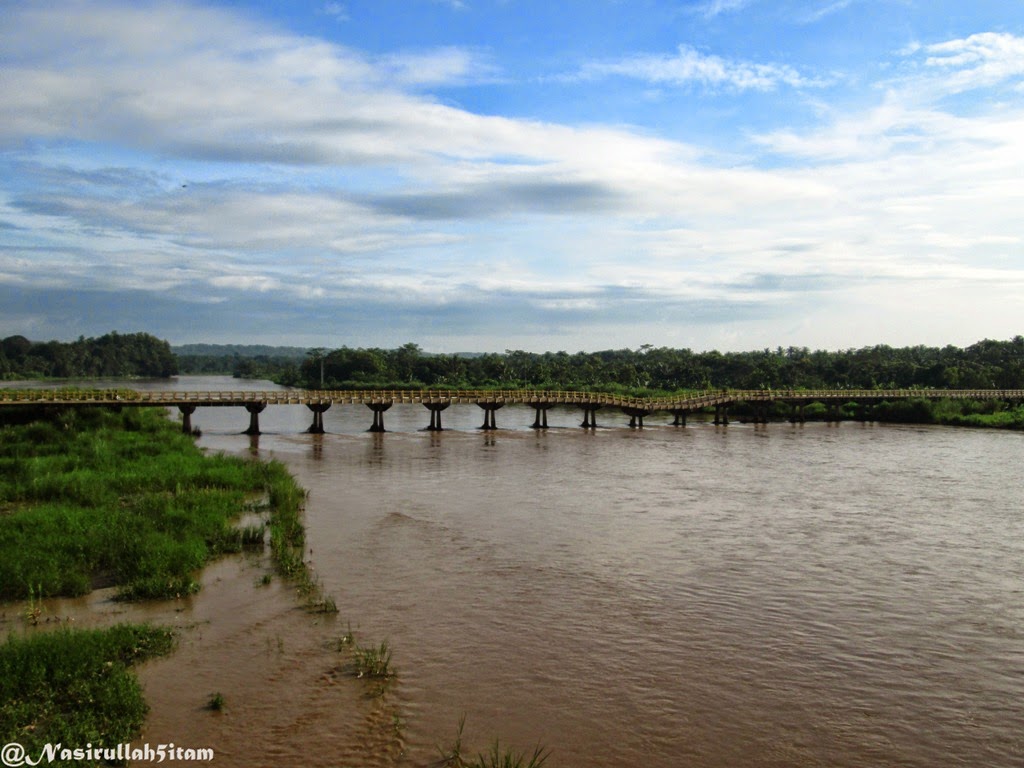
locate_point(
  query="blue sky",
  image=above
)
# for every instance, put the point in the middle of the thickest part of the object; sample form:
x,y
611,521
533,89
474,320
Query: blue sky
x,y
510,174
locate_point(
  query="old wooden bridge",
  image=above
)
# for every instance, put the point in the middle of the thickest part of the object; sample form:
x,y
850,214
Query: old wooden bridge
x,y
757,401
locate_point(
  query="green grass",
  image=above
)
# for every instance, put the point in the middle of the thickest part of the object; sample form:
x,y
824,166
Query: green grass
x,y
75,686
496,757
91,497
372,661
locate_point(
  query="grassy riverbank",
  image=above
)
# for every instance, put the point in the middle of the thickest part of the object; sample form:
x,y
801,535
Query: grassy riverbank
x,y
93,498
75,687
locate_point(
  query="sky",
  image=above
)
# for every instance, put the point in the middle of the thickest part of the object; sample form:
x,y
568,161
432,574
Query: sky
x,y
483,175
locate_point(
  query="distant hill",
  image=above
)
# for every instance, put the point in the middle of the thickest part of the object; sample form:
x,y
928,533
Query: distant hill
x,y
239,350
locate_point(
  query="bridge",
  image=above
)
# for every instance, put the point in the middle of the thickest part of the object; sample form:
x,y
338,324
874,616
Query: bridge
x,y
679,406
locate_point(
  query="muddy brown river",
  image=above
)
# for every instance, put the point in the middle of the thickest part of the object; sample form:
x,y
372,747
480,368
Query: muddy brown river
x,y
775,595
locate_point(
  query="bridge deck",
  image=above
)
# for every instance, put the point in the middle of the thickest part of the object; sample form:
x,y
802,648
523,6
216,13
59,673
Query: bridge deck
x,y
688,402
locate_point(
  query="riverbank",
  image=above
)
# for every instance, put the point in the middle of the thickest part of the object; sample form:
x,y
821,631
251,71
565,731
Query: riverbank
x,y
108,518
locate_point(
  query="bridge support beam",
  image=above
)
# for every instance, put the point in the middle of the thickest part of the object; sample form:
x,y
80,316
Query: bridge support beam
x,y
317,427
378,415
834,414
636,416
435,415
254,409
679,417
722,415
540,419
489,420
186,418
589,415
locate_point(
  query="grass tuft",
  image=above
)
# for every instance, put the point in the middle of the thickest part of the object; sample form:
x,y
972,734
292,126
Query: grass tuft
x,y
497,757
373,661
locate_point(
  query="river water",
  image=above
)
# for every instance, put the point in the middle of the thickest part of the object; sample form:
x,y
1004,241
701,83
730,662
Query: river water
x,y
776,595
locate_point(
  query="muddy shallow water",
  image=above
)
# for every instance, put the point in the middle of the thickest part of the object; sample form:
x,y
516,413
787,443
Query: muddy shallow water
x,y
699,596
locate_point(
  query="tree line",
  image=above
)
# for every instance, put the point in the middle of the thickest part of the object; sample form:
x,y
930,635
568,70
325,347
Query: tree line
x,y
988,364
114,355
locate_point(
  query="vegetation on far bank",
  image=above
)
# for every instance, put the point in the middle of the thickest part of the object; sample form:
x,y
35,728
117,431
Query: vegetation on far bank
x,y
652,370
647,370
112,355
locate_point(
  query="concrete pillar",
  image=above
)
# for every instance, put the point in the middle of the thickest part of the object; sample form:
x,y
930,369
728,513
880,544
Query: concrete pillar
x,y
186,418
589,415
254,409
317,427
489,420
540,420
435,415
378,415
679,418
722,415
797,415
636,416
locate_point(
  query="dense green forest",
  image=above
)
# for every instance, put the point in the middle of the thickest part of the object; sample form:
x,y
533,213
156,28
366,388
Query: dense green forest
x,y
112,355
984,365
248,361
987,364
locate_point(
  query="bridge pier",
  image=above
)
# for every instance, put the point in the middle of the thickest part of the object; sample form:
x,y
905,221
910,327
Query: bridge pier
x,y
254,409
636,416
378,415
797,415
589,415
317,427
760,413
834,413
722,415
186,418
540,420
866,411
679,417
489,420
435,415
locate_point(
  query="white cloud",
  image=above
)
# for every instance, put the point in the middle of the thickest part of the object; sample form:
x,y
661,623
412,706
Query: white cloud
x,y
715,7
978,61
334,178
443,66
690,66
336,10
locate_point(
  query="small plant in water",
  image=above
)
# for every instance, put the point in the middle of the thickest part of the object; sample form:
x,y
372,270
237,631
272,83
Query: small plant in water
x,y
347,639
496,758
374,662
216,703
34,606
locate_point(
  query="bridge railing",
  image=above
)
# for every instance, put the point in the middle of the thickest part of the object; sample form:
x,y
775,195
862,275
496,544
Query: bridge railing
x,y
683,401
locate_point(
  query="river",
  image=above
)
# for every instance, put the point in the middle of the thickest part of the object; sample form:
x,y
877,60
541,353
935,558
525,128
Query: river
x,y
770,595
